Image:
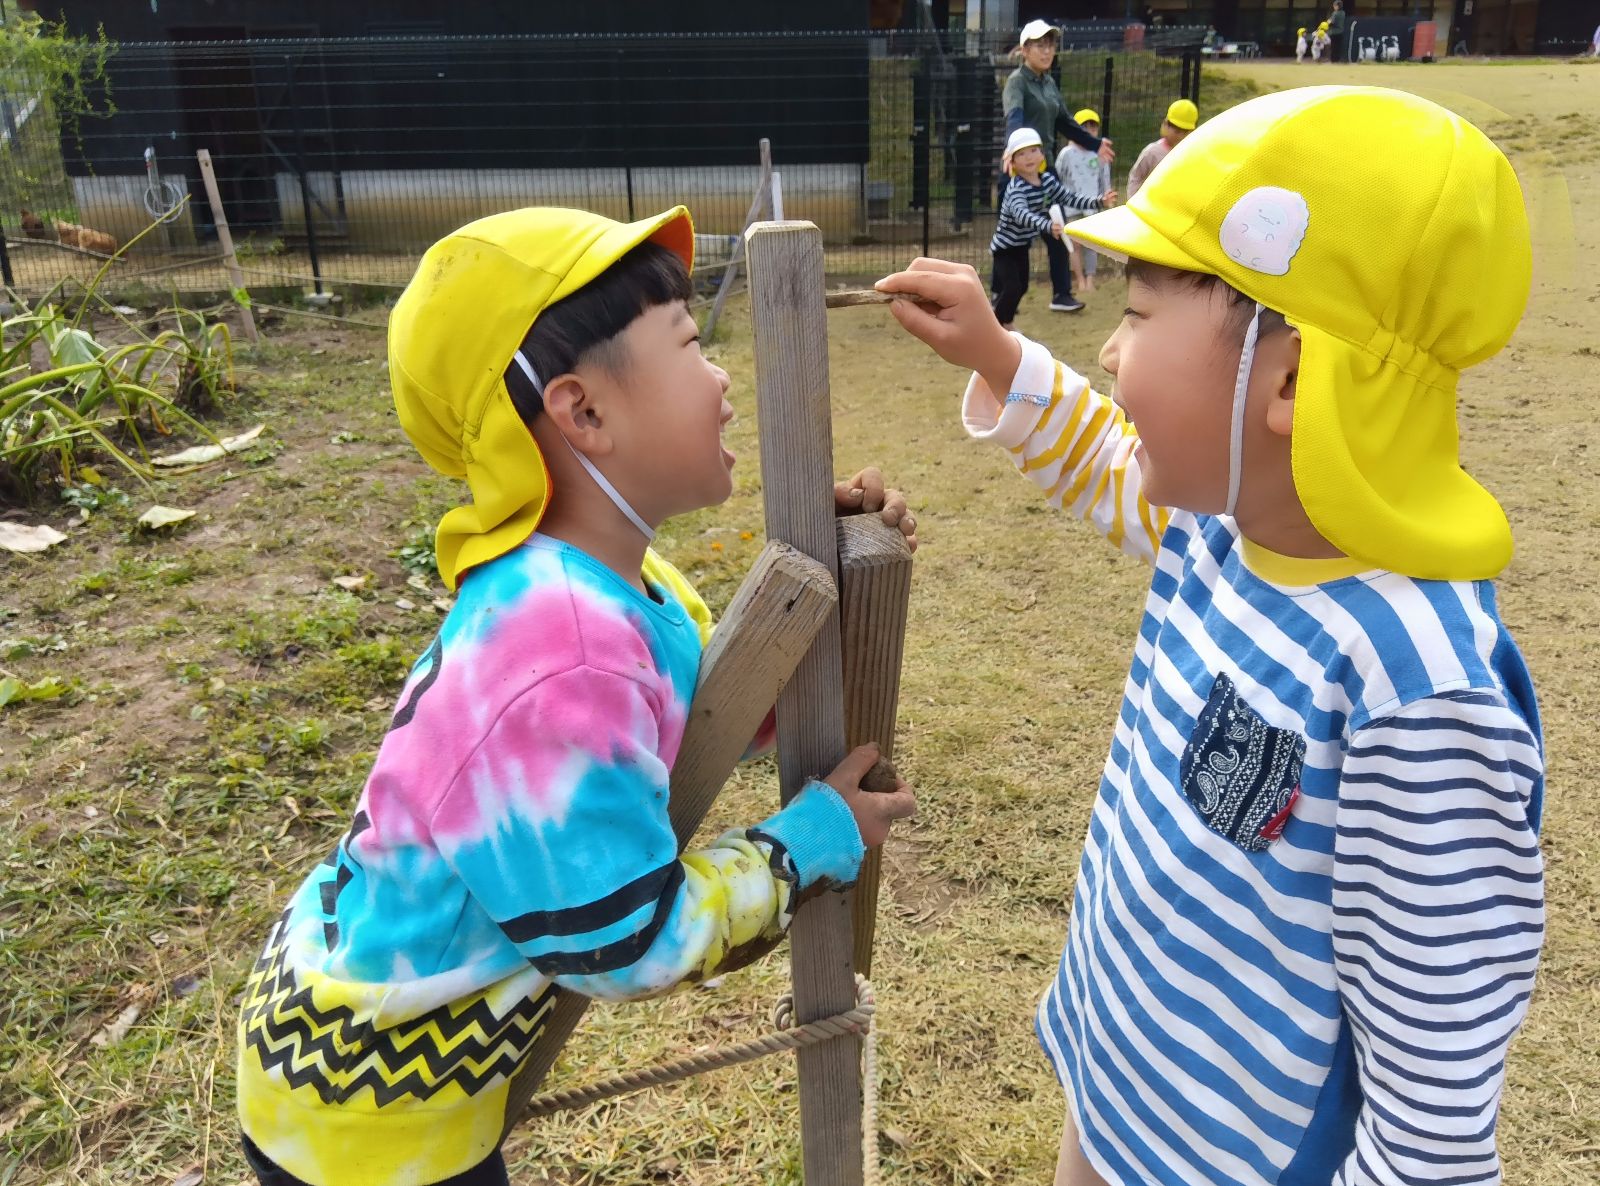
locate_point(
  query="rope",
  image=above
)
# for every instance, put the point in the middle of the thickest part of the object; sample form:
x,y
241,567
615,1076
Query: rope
x,y
790,1036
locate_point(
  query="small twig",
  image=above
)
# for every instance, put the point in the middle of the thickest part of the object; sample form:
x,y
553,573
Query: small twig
x,y
851,297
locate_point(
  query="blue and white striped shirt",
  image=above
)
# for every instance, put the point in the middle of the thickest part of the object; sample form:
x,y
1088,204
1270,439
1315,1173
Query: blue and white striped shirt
x,y
1311,902
1024,210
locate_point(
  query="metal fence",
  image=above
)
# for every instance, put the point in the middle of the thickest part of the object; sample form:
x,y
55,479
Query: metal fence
x,y
338,161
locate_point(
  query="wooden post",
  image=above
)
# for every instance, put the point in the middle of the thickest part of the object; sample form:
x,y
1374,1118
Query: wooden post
x,y
874,597
796,434
779,609
225,239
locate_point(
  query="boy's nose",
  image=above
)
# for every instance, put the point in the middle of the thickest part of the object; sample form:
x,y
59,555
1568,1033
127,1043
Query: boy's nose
x,y
1109,353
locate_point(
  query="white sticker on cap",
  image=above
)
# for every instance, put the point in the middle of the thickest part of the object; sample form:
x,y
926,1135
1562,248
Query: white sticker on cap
x,y
1265,228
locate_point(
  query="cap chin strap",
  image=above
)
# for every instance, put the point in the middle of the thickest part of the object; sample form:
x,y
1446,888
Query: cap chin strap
x,y
606,487
1241,389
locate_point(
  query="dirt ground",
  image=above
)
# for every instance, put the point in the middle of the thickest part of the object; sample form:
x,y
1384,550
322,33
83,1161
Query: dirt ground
x,y
229,697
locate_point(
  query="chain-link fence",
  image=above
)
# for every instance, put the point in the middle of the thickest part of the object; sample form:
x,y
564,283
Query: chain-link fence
x,y
338,161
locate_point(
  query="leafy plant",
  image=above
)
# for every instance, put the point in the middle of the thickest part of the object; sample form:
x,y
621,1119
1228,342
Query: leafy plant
x,y
98,398
416,554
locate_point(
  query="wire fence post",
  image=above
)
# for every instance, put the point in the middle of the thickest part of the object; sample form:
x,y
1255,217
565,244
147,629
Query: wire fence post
x,y
922,145
300,169
1107,89
5,261
962,154
1194,82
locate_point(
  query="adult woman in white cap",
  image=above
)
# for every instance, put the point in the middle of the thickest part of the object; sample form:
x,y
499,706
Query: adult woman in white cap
x,y
1033,100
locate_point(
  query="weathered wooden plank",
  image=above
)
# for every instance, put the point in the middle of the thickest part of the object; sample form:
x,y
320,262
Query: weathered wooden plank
x,y
796,434
874,598
782,604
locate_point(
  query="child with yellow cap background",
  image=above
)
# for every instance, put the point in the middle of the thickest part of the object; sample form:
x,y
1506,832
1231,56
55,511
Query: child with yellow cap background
x,y
1085,175
1182,116
1310,904
513,834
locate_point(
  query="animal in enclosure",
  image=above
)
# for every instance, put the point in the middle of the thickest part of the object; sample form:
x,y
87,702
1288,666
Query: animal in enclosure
x,y
1367,49
70,234
1391,48
32,225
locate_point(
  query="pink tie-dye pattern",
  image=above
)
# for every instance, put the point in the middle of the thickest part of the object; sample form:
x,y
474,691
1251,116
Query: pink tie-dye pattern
x,y
496,663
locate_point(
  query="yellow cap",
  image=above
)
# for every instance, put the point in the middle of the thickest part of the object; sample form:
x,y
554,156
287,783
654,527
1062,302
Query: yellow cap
x,y
1323,27
1302,32
1266,196
1087,116
1183,114
453,333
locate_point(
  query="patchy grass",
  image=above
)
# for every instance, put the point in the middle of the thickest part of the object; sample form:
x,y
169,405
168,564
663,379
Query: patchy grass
x,y
227,697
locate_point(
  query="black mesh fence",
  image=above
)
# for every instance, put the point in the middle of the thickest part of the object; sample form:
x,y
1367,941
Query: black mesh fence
x,y
338,161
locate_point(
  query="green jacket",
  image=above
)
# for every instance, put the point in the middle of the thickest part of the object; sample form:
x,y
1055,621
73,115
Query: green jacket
x,y
1034,101
1336,22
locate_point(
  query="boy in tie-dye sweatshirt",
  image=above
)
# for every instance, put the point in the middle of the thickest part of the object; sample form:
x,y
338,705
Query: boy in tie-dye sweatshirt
x,y
513,835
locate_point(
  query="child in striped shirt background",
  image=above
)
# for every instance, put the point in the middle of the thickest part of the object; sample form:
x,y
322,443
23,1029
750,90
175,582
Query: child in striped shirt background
x,y
1024,216
1311,899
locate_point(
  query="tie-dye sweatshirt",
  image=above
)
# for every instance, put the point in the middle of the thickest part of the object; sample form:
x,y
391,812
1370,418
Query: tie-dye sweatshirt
x,y
513,836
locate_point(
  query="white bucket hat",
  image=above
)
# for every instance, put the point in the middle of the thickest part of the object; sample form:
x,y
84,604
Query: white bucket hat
x,y
1034,30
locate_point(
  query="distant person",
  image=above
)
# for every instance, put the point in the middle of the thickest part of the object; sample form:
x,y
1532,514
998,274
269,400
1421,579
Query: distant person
x,y
1212,40
1336,32
1032,99
1084,175
1319,42
1033,200
1181,119
1300,46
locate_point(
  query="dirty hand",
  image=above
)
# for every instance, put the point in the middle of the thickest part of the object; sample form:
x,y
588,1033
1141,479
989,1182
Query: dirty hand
x,y
1107,153
1108,199
874,810
866,493
950,312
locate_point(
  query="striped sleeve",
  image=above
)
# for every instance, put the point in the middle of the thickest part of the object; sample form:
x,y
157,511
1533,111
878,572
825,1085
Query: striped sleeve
x,y
559,830
1071,201
1438,914
1074,444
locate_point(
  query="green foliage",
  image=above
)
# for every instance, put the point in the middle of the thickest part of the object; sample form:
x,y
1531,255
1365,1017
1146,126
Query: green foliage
x,y
59,80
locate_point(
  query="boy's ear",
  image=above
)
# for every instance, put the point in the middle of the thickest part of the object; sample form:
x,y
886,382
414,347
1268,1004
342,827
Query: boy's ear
x,y
575,412
1284,367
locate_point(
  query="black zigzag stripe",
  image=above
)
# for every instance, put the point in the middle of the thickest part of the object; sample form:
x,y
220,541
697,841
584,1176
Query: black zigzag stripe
x,y
287,1031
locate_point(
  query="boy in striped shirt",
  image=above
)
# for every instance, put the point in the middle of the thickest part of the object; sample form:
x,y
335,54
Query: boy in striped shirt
x,y
1310,903
1025,215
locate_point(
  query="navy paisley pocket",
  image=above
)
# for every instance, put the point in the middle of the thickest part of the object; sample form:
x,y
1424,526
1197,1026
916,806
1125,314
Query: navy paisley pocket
x,y
1241,774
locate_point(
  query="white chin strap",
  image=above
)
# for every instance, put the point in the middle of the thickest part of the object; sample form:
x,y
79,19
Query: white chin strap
x,y
1241,389
600,480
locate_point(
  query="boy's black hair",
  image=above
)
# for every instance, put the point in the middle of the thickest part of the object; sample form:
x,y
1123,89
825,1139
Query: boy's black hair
x,y
585,326
1240,307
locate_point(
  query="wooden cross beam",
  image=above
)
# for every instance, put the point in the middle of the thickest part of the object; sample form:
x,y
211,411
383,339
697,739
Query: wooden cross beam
x,y
819,711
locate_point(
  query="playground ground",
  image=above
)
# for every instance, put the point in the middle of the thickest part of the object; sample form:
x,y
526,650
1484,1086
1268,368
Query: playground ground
x,y
230,697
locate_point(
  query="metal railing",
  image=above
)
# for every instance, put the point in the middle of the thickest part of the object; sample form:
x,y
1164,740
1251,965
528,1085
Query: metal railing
x,y
338,161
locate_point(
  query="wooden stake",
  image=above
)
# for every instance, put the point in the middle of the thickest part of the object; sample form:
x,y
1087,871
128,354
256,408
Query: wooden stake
x,y
874,598
796,434
782,605
225,238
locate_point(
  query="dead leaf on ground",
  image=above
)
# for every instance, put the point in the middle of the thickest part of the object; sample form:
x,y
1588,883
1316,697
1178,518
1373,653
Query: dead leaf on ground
x,y
351,584
192,1176
200,454
22,537
158,517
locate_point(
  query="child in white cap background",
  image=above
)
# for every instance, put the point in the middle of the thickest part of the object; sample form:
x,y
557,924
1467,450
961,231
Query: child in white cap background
x,y
1085,175
1182,116
1025,206
1311,900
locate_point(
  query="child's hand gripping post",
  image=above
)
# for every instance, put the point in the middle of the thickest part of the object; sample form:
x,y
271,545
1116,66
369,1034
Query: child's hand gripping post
x,y
875,794
950,311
